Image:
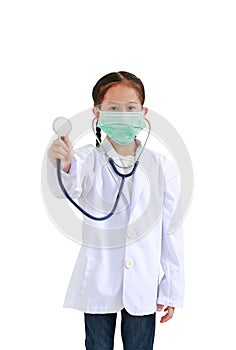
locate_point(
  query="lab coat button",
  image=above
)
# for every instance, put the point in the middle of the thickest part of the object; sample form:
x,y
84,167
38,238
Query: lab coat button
x,y
129,263
131,233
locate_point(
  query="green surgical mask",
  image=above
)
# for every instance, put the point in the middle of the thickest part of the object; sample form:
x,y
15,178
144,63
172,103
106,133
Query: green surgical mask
x,y
122,127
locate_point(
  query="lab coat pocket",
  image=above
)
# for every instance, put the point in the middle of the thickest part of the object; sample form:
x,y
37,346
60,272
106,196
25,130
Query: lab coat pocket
x,y
88,268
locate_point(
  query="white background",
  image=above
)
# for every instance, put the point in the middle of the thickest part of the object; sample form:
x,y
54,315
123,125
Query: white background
x,y
52,53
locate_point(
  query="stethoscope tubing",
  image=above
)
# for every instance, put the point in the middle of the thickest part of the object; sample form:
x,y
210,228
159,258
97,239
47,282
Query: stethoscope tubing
x,y
112,163
123,177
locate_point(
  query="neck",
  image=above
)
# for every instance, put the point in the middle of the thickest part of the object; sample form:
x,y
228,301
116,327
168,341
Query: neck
x,y
124,150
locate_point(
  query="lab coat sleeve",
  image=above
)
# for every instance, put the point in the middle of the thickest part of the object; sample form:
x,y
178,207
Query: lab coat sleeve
x,y
171,287
79,177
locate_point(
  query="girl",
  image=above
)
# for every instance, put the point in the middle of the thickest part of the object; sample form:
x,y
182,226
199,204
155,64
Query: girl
x,y
122,258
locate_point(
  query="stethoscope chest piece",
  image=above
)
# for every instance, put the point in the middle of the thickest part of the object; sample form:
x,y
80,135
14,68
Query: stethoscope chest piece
x,y
62,126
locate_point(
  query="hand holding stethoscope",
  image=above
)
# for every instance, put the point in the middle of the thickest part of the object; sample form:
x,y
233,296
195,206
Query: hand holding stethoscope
x,y
62,147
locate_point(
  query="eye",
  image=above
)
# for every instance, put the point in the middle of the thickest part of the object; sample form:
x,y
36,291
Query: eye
x,y
113,108
132,108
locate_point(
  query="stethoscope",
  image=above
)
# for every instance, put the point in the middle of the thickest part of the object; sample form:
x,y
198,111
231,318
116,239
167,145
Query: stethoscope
x,y
62,127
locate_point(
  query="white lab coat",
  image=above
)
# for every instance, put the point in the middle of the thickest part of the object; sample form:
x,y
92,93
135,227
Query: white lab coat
x,y
129,260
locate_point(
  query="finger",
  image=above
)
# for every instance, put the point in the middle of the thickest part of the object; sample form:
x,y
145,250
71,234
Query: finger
x,y
68,142
168,315
70,155
60,156
159,307
60,143
60,150
166,318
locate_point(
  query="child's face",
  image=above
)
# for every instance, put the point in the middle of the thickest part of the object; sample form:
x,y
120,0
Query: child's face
x,y
119,93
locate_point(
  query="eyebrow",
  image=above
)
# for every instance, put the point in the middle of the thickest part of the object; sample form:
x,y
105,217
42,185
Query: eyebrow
x,y
124,102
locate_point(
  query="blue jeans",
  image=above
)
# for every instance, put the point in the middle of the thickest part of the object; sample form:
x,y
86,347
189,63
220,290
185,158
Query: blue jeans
x,y
137,331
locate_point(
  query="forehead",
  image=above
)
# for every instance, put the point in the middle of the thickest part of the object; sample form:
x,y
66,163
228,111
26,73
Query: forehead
x,y
121,93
